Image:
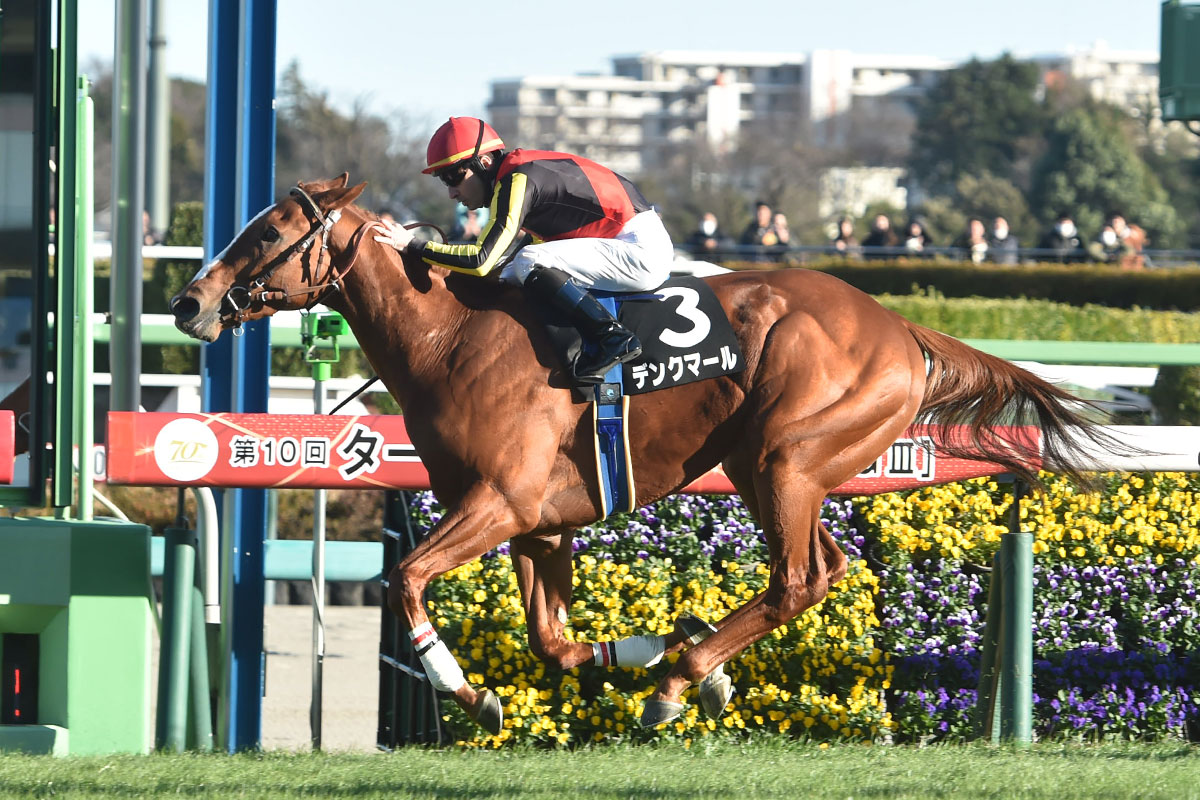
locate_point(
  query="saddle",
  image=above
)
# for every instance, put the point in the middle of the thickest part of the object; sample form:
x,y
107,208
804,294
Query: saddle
x,y
684,332
685,337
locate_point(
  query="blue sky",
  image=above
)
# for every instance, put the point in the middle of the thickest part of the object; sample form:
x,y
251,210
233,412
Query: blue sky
x,y
429,62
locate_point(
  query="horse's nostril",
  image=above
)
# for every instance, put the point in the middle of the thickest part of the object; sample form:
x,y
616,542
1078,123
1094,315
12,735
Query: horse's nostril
x,y
185,308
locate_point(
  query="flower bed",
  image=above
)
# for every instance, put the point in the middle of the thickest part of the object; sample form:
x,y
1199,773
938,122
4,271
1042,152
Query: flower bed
x,y
893,652
1115,612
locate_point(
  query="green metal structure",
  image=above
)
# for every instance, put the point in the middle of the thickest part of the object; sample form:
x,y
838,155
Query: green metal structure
x,y
77,626
76,605
1004,709
1179,61
319,333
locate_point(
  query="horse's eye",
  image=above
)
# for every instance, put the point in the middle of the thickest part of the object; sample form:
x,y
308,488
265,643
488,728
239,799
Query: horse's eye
x,y
270,234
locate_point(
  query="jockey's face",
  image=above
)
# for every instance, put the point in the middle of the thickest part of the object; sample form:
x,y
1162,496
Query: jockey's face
x,y
472,190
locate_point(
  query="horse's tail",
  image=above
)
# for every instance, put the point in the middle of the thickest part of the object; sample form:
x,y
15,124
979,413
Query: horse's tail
x,y
978,391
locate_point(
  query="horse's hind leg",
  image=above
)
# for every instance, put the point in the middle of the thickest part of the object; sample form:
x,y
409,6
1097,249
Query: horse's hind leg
x,y
544,567
804,563
743,484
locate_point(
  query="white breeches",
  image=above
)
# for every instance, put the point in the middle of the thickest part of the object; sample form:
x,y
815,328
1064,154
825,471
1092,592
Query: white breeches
x,y
639,258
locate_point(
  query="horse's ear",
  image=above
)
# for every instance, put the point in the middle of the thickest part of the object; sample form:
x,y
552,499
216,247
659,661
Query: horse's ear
x,y
340,198
316,187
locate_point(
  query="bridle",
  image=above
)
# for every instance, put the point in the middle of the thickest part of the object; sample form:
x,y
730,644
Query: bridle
x,y
240,297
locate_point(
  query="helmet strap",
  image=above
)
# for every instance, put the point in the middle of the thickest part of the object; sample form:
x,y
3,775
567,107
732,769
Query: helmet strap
x,y
486,174
476,164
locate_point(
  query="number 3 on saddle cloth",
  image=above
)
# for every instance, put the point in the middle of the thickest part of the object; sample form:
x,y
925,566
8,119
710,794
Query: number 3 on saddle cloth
x,y
685,337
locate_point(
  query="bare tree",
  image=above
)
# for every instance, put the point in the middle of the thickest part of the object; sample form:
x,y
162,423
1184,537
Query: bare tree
x,y
314,140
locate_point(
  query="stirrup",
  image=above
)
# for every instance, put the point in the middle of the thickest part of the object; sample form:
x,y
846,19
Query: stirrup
x,y
629,349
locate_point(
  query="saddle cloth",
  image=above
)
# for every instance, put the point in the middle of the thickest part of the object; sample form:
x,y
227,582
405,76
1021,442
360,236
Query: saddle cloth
x,y
685,337
684,332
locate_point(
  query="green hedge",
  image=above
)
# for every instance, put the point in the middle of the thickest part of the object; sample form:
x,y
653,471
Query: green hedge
x,y
989,318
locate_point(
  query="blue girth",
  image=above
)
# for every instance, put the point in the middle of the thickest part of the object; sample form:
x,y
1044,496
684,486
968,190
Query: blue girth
x,y
610,410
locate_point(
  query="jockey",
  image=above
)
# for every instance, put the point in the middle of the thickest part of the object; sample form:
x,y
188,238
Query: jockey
x,y
590,227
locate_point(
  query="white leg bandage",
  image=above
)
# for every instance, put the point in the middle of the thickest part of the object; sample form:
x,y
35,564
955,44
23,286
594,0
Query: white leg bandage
x,y
636,651
443,671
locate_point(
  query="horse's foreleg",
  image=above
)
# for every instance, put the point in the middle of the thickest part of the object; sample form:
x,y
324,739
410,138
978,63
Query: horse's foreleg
x,y
544,567
544,573
476,525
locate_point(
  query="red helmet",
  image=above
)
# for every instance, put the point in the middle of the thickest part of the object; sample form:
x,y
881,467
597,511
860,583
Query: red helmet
x,y
459,139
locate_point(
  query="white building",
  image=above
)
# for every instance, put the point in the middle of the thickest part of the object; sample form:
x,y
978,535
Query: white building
x,y
632,119
849,190
1127,79
652,101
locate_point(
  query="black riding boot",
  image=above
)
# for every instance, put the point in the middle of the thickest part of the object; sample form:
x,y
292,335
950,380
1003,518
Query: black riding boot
x,y
614,343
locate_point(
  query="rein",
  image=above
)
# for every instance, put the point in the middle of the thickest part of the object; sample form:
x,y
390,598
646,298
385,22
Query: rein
x,y
240,297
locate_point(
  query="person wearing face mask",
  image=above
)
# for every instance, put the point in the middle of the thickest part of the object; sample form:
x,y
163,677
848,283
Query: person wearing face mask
x,y
1062,242
783,236
973,242
707,241
917,240
1003,246
1118,243
1107,247
1123,243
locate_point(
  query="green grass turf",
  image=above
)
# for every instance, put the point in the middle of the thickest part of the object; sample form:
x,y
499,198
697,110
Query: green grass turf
x,y
766,769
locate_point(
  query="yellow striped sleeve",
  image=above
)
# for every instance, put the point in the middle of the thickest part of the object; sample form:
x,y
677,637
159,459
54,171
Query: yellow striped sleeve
x,y
507,211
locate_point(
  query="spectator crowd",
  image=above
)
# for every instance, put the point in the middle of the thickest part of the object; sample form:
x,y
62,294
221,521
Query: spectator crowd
x,y
767,238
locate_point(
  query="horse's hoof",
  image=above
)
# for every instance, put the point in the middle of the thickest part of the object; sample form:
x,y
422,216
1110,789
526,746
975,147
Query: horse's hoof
x,y
489,714
716,691
694,629
656,712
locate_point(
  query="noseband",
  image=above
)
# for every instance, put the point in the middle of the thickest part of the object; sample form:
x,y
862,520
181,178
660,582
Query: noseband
x,y
240,297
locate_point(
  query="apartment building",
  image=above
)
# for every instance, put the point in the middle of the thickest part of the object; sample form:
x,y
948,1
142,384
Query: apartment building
x,y
632,119
1127,79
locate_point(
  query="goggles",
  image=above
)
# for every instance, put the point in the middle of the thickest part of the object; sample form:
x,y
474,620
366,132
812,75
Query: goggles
x,y
452,177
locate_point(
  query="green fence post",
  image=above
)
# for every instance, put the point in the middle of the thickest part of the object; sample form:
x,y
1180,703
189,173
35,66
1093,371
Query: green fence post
x,y
174,651
200,719
989,674
1016,690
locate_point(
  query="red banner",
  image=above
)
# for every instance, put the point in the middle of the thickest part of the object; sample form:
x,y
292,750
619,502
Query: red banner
x,y
303,451
8,432
297,451
911,462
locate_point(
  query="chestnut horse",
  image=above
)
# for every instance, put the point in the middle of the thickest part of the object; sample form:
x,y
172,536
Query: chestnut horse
x,y
831,380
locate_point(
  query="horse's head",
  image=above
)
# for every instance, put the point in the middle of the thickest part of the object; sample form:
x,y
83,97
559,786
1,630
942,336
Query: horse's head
x,y
279,261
